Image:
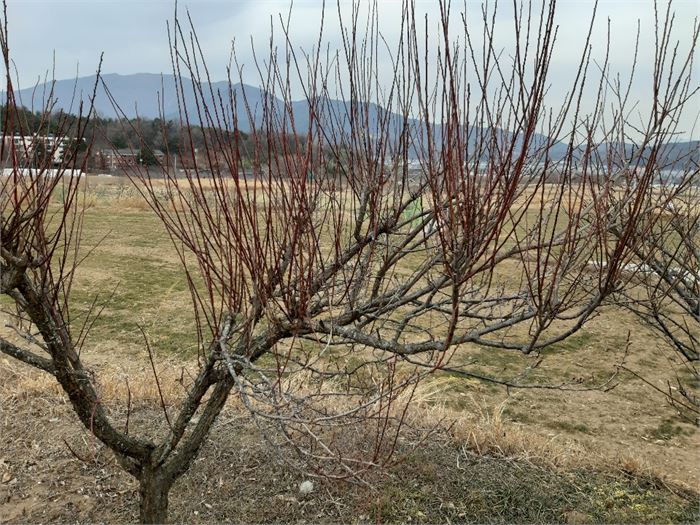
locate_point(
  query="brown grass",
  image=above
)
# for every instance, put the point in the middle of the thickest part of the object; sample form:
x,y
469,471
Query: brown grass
x,y
618,430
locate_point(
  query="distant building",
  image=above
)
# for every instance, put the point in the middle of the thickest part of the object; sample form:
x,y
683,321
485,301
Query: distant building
x,y
120,158
125,158
26,146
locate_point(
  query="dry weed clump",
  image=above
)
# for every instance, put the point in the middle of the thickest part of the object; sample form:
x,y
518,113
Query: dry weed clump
x,y
21,382
125,196
137,384
422,410
486,431
483,430
121,384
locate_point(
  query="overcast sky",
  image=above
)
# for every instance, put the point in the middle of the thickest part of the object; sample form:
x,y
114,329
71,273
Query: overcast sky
x,y
132,34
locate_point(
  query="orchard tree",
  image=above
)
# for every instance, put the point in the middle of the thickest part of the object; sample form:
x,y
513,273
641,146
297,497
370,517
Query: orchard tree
x,y
666,275
385,230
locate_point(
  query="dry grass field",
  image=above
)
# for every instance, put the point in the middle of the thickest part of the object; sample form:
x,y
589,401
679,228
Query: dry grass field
x,y
527,455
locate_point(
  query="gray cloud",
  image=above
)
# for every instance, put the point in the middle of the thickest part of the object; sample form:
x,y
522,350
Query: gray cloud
x,y
132,34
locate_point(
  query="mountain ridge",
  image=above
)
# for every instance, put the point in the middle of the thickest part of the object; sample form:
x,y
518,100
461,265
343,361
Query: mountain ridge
x,y
152,95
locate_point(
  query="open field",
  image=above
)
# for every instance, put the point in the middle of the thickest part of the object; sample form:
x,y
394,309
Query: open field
x,y
621,455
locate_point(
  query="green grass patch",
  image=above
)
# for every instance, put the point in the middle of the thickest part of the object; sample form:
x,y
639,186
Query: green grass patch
x,y
668,429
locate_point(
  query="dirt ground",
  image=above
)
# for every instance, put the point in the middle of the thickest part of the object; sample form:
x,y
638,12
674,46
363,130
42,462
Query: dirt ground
x,y
51,470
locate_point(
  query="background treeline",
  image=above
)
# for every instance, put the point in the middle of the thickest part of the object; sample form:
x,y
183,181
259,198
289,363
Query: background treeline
x,y
179,145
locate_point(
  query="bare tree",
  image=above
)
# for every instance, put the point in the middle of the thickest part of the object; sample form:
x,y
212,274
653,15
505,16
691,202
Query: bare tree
x,y
664,275
372,236
667,277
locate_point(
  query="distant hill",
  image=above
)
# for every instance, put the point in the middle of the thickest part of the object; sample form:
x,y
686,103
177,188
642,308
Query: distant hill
x,y
140,94
679,155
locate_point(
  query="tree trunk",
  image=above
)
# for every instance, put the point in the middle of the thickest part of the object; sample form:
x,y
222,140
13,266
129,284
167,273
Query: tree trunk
x,y
153,492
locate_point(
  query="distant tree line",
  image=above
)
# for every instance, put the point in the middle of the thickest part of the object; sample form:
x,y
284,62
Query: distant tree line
x,y
179,144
